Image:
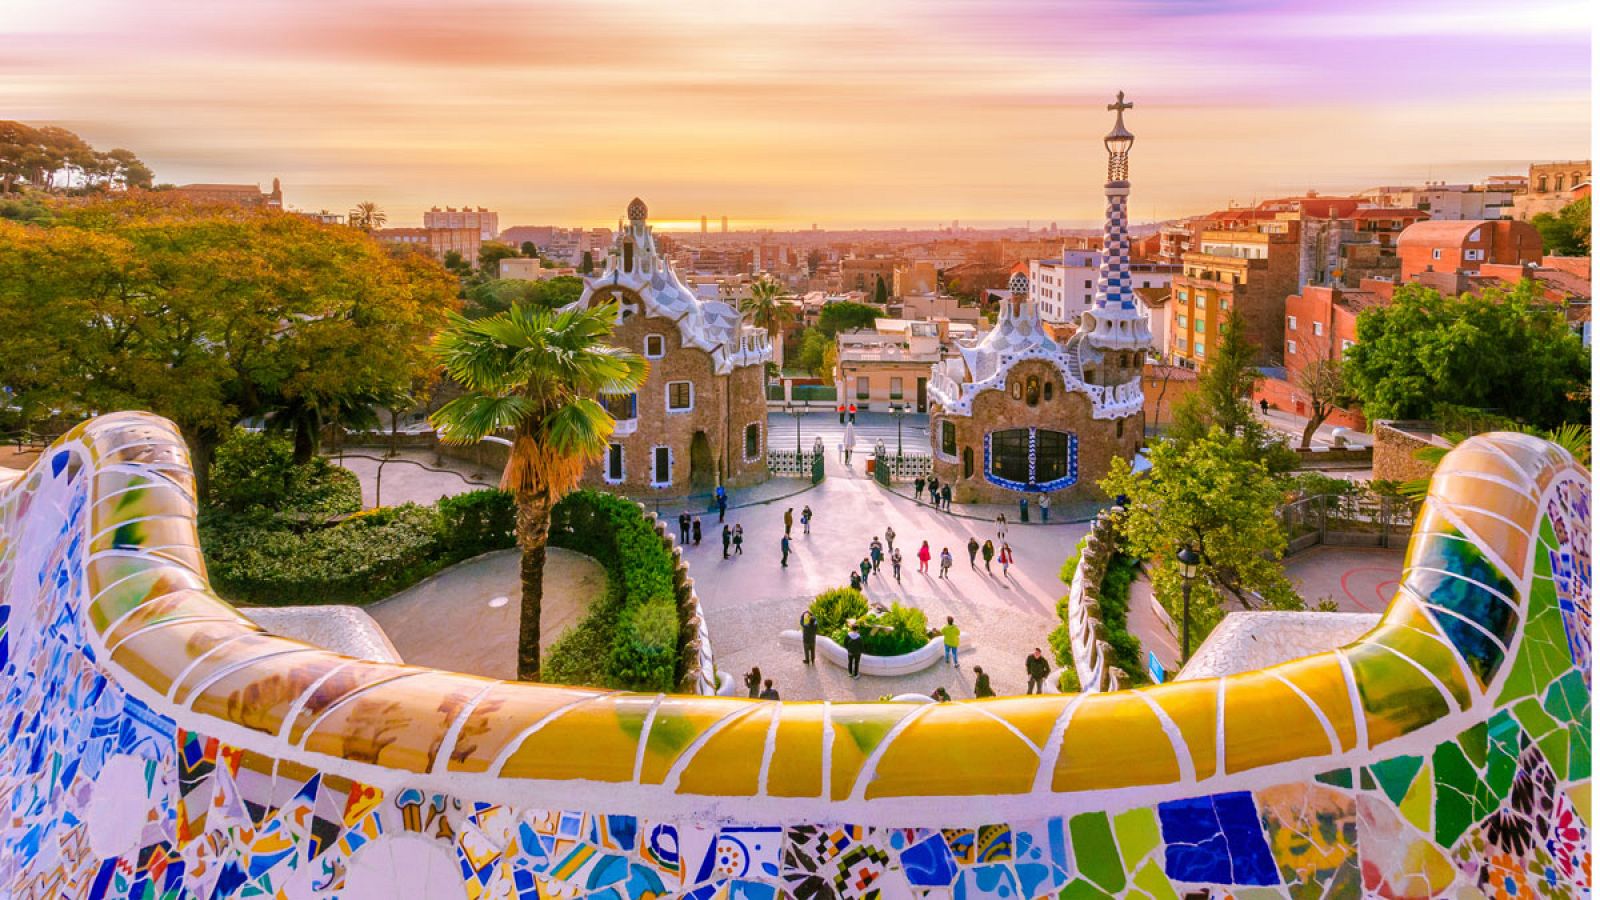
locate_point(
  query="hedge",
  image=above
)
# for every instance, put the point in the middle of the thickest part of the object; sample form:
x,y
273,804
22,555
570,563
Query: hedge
x,y
632,639
891,632
1126,652
265,559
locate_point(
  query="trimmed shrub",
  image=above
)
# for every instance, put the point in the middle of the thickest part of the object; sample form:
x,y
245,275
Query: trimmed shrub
x,y
478,519
633,641
1126,652
891,632
255,472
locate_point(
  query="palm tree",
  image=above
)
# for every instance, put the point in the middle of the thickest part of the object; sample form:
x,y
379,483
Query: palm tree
x,y
536,373
767,311
367,216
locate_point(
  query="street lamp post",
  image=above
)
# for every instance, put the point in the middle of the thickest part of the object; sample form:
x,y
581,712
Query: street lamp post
x,y
789,408
899,410
1188,564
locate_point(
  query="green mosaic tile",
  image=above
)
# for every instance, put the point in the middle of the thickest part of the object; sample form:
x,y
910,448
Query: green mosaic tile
x,y
1475,744
1417,805
1546,732
1395,775
1463,796
1505,745
1138,834
1580,757
1568,698
1543,655
1337,778
1367,781
1078,889
1153,881
1096,851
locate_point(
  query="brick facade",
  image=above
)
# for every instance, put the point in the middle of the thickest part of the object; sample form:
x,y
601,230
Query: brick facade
x,y
1098,440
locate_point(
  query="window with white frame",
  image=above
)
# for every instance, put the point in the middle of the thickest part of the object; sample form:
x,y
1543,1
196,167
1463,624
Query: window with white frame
x,y
1199,348
680,396
614,469
1316,328
655,346
661,466
1291,348
1293,324
1199,301
896,388
1438,253
1473,255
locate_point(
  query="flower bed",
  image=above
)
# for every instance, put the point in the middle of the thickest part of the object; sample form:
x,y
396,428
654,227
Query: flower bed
x,y
896,639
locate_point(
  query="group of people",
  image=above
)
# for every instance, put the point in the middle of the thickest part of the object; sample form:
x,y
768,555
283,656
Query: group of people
x,y
938,494
1035,665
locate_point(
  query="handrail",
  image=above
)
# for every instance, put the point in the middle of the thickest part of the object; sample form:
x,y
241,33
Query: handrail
x,y
168,640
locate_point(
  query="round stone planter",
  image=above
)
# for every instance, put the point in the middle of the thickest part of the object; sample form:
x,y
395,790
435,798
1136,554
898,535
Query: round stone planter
x,y
921,658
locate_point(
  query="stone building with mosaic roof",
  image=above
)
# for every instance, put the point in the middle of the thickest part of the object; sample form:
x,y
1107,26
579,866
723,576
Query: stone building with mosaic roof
x,y
700,418
1020,413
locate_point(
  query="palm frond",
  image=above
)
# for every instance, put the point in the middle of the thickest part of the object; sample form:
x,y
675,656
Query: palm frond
x,y
472,417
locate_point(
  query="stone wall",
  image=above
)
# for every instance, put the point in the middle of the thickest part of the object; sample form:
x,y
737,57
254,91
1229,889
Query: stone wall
x,y
1066,411
159,744
1091,655
1394,447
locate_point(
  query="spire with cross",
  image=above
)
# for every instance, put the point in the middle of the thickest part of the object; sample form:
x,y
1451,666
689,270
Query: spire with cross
x,y
1119,142
1115,321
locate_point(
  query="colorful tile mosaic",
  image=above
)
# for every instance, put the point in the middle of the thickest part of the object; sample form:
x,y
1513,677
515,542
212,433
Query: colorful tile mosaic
x,y
158,745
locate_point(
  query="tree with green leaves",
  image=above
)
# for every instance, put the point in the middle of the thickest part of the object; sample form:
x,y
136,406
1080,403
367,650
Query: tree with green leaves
x,y
766,309
538,376
1507,352
586,267
489,255
880,294
1222,401
500,294
529,250
1215,496
846,316
208,315
1567,232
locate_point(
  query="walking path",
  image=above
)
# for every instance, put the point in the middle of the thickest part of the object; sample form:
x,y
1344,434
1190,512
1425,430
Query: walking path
x,y
464,619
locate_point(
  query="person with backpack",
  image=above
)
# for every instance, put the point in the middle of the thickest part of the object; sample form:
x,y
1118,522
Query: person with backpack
x,y
852,650
805,520
952,641
875,553
1038,668
752,681
981,687
808,636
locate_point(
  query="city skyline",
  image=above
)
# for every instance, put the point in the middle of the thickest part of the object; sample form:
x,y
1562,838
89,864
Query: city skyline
x,y
783,117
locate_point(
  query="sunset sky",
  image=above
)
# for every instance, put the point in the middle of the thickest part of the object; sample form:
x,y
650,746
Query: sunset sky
x,y
782,114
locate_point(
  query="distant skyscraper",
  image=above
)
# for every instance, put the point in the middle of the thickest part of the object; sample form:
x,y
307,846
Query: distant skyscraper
x,y
702,224
724,224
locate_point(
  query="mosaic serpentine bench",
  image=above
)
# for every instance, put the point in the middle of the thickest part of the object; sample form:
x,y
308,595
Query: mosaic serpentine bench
x,y
157,744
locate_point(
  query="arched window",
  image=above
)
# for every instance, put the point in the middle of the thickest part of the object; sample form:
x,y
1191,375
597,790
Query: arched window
x,y
1016,389
1561,181
1033,390
1049,388
966,462
947,438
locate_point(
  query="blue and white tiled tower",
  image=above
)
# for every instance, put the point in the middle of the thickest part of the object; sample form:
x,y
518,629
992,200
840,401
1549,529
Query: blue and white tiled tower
x,y
1115,321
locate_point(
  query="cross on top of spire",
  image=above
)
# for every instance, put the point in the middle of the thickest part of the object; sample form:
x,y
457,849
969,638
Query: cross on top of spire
x,y
1120,105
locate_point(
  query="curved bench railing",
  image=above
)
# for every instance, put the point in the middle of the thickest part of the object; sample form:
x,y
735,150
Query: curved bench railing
x,y
157,740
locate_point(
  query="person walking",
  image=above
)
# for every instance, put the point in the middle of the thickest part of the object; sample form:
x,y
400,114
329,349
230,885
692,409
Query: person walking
x,y
808,636
1264,407
972,552
1005,560
944,495
919,484
933,489
770,693
752,681
788,521
1000,527
981,687
697,531
1038,667
888,537
849,442
875,553
852,414
738,540
722,503
894,560
866,568
1022,504
727,540
783,544
988,556
852,650
1044,508
952,641
923,555
683,529
841,414
805,520
855,579
945,560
